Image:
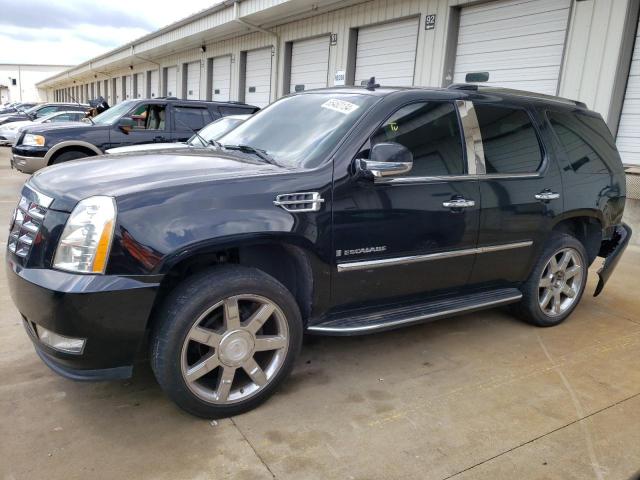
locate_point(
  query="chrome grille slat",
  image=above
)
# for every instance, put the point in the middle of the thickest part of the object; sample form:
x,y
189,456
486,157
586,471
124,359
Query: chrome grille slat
x,y
27,220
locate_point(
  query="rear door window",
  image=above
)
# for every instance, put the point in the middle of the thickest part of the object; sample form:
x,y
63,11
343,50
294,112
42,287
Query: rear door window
x,y
586,140
191,118
509,140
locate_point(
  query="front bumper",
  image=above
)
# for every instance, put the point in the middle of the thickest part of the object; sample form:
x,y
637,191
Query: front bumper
x,y
613,250
110,312
28,164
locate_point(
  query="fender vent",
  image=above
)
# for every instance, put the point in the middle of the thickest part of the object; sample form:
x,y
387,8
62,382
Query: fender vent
x,y
299,202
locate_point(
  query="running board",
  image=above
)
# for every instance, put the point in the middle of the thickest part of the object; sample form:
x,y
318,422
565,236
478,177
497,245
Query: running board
x,y
350,323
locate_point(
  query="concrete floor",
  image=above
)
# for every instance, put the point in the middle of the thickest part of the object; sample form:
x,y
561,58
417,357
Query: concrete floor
x,y
477,396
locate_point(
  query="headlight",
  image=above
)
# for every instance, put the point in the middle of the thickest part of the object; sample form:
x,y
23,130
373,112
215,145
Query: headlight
x,y
86,239
33,140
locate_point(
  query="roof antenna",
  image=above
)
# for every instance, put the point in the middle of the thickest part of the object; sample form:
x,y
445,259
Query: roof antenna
x,y
371,84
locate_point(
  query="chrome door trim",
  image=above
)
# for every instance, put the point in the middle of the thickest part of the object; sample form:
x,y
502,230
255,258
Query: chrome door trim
x,y
386,262
472,137
417,318
456,178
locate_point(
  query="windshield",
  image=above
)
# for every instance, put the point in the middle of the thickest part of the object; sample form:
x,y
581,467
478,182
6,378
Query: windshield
x,y
33,109
47,117
108,117
301,130
214,131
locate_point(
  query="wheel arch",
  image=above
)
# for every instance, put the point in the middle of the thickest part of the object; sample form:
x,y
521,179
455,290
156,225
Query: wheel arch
x,y
586,226
293,265
71,145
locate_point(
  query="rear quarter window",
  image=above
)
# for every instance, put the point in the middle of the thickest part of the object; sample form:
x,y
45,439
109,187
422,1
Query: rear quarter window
x,y
586,140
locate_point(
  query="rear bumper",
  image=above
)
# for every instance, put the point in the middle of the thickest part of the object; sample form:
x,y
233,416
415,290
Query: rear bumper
x,y
110,312
614,249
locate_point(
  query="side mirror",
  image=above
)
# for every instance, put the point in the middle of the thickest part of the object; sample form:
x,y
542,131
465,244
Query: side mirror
x,y
387,159
126,124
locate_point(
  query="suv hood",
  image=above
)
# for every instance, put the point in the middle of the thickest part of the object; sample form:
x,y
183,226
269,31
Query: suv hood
x,y
120,175
62,128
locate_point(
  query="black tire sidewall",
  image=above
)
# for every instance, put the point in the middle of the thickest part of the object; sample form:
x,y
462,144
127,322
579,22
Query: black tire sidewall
x,y
529,307
185,304
67,157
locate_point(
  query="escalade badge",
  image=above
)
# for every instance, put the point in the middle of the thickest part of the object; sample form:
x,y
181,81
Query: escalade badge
x,y
359,251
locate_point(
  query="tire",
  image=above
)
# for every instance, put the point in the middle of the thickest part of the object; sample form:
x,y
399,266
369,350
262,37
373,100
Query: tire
x,y
198,341
68,156
536,307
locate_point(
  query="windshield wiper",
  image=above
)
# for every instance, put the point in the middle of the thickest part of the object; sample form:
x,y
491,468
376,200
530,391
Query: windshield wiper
x,y
249,149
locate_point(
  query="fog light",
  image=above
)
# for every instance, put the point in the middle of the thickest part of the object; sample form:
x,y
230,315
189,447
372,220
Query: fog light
x,y
60,342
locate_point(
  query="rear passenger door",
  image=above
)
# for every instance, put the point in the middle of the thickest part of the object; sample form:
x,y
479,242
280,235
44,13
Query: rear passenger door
x,y
188,119
521,193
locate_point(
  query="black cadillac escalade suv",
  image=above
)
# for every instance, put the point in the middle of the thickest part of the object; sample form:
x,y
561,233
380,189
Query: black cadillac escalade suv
x,y
131,122
339,212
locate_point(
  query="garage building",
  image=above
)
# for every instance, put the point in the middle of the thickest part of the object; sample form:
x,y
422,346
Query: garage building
x,y
257,51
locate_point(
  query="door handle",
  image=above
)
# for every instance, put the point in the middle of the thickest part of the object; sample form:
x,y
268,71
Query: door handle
x,y
547,195
458,203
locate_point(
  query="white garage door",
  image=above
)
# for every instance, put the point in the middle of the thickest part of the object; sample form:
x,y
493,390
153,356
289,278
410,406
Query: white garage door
x,y
258,77
155,84
139,85
520,43
221,79
387,52
628,140
193,81
118,90
128,87
172,81
309,64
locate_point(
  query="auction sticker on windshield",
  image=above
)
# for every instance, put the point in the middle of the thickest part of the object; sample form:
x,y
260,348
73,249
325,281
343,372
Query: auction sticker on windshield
x,y
338,105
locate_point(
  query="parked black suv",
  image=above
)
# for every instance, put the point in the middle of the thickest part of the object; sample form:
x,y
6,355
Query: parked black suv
x,y
41,110
340,212
131,122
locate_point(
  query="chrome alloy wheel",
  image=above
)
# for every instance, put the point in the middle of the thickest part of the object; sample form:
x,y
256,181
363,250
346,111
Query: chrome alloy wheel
x,y
234,349
560,282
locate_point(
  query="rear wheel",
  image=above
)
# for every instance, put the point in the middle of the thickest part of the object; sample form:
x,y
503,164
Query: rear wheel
x,y
225,340
556,283
68,156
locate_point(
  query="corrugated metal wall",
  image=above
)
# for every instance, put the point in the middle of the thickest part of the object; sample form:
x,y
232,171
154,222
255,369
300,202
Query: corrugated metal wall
x,y
588,70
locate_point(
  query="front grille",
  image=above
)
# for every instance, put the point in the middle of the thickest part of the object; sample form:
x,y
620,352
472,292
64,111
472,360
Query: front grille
x,y
27,220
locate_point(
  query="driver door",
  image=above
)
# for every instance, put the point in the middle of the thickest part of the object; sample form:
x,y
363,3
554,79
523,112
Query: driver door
x,y
397,237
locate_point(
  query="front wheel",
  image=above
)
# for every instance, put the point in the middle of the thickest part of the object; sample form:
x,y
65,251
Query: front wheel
x,y
225,339
556,283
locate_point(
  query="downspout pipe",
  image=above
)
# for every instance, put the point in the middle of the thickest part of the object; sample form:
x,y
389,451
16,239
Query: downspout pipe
x,y
256,28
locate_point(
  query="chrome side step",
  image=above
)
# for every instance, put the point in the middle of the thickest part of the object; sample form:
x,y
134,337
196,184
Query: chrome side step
x,y
360,323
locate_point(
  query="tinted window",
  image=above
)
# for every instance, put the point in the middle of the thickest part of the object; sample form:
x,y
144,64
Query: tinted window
x,y
509,140
431,131
586,141
225,110
191,118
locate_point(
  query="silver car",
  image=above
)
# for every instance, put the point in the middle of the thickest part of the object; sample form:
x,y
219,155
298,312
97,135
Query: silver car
x,y
10,131
207,134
